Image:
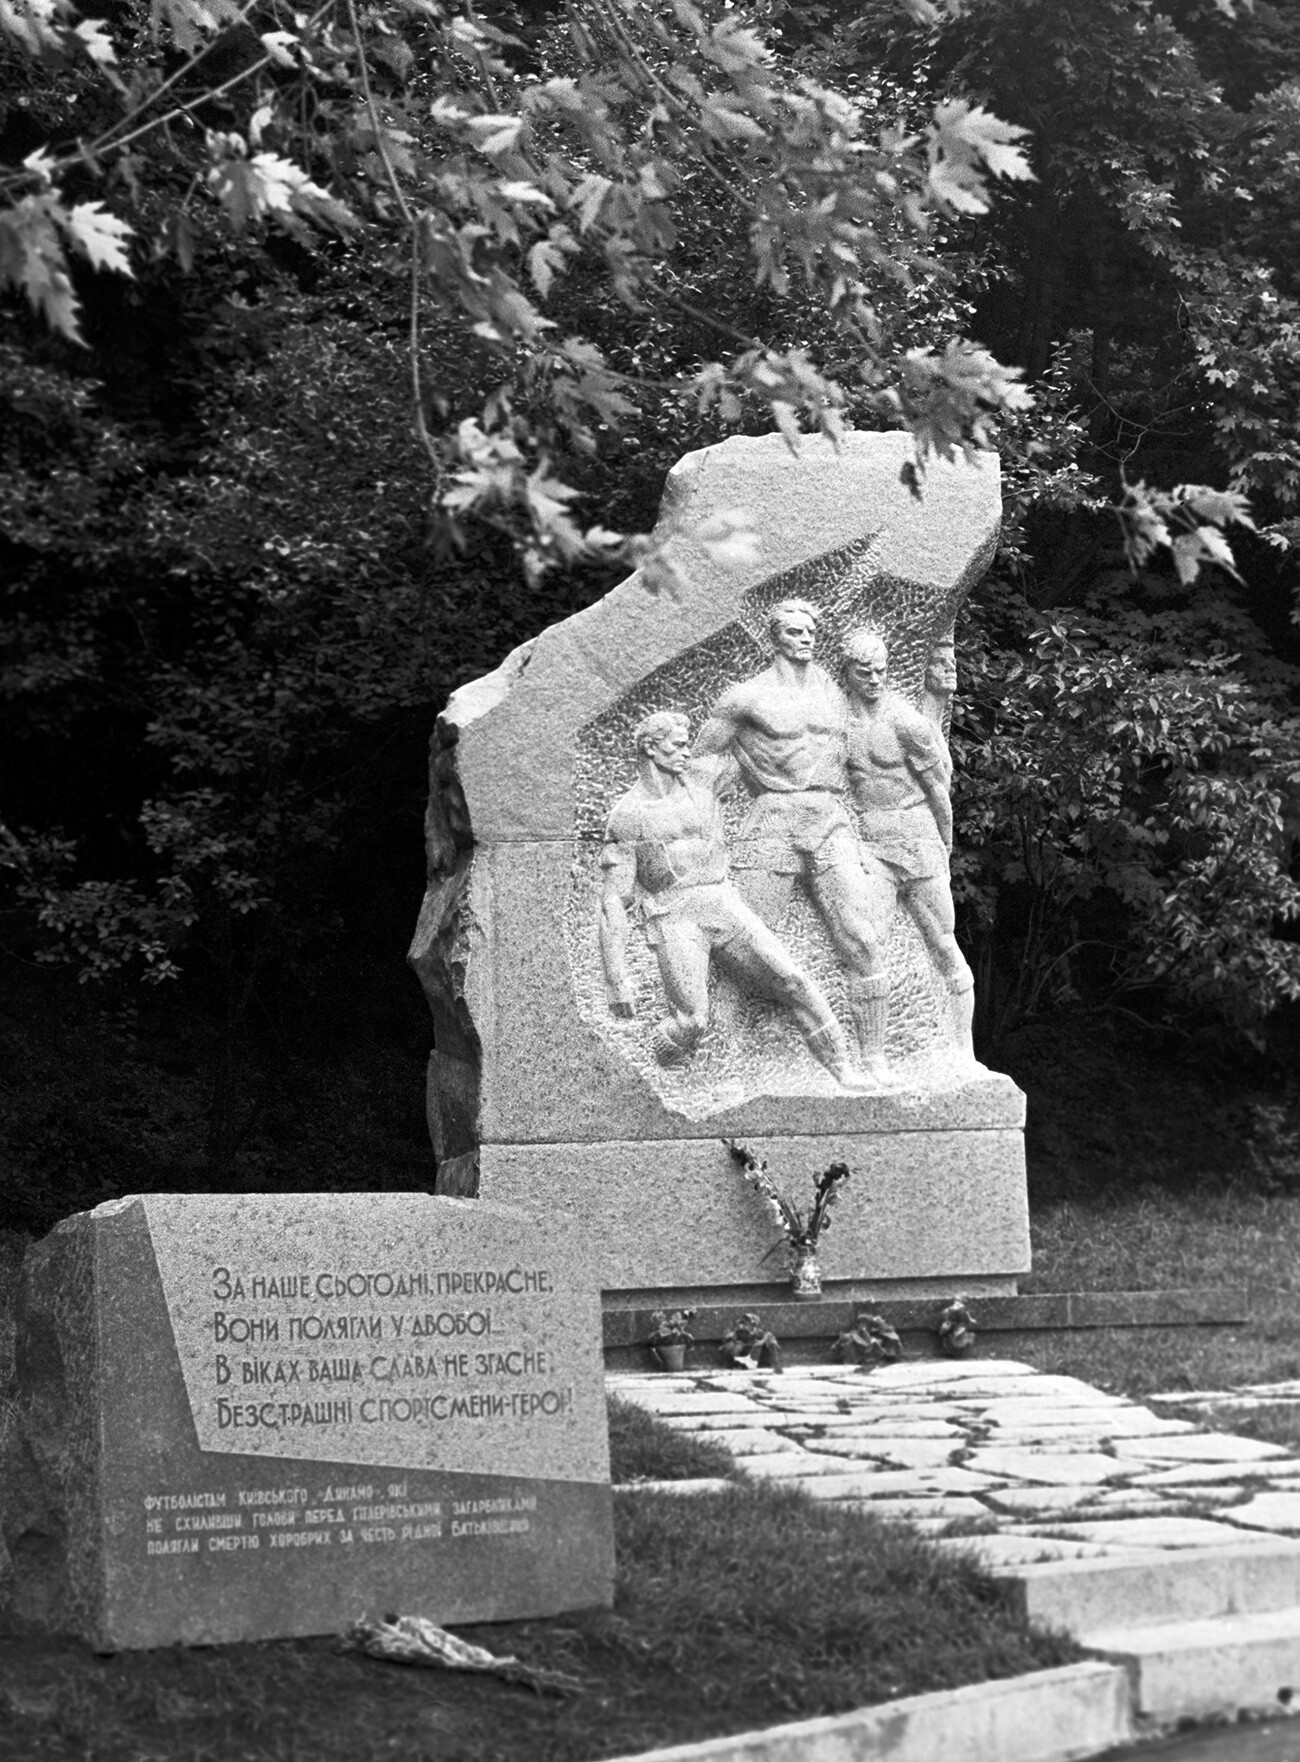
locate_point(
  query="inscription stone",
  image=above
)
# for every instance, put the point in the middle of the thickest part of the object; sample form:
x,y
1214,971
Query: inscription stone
x,y
255,1416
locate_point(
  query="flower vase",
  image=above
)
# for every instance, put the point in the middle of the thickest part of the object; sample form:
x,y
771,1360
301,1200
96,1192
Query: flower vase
x,y
805,1275
672,1356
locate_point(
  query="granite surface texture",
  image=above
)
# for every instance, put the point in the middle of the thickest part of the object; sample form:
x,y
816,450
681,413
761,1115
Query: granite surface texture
x,y
919,1205
248,1417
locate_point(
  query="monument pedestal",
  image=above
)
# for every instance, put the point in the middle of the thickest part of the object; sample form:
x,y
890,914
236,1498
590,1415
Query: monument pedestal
x,y
936,1200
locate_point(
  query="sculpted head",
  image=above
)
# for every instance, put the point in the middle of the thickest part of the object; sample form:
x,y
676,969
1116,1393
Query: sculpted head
x,y
866,663
664,738
941,668
792,626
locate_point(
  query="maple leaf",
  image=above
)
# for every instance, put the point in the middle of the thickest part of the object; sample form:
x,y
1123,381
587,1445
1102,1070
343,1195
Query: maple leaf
x,y
1222,506
99,236
495,134
730,538
589,198
31,258
545,262
966,142
268,185
190,21
33,25
93,37
516,190
278,44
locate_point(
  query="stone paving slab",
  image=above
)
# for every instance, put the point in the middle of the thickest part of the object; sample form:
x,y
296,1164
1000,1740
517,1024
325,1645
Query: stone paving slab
x,y
755,1441
905,1452
1160,1532
1201,1447
1204,1474
676,1403
1279,1512
948,1509
1041,1462
791,1463
1076,1468
1002,1551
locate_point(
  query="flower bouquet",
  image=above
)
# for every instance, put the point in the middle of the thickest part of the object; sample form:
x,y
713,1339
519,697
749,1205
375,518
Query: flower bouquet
x,y
801,1233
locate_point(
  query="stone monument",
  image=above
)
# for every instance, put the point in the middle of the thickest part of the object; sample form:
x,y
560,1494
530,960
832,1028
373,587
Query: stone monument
x,y
245,1417
688,882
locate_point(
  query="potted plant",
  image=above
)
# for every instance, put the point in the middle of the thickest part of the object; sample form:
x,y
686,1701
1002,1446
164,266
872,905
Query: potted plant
x,y
671,1338
801,1233
870,1340
957,1330
749,1345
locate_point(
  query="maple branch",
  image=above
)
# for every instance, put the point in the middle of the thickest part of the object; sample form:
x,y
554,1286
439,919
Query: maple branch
x,y
413,227
88,154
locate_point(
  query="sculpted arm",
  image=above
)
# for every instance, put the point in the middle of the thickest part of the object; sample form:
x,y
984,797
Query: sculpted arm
x,y
935,785
928,761
719,732
619,863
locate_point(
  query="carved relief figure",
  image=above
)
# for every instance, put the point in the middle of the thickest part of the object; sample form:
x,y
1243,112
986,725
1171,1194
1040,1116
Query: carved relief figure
x,y
900,772
664,837
786,729
940,680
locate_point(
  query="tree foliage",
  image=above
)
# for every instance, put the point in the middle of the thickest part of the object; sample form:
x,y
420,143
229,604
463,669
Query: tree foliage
x,y
346,347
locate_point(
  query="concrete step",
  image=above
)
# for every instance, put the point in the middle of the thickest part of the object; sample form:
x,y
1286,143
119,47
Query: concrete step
x,y
1169,1585
1194,1669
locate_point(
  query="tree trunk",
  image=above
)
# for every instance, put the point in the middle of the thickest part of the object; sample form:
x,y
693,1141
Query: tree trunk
x,y
1037,309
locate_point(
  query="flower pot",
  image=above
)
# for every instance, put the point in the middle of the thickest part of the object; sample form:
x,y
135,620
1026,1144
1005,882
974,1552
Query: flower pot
x,y
672,1356
805,1275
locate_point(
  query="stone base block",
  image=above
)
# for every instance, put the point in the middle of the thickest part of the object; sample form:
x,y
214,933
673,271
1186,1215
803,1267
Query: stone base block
x,y
669,1215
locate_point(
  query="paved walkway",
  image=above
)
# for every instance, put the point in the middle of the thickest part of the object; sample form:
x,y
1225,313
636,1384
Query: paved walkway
x,y
988,1454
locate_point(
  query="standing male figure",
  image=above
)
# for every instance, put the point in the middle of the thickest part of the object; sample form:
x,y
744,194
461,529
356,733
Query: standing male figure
x,y
665,836
940,682
900,771
786,729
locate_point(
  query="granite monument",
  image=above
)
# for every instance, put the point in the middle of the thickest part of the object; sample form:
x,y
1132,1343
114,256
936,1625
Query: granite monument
x,y
688,881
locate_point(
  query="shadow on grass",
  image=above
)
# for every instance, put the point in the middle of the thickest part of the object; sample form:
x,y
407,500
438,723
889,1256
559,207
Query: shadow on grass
x,y
642,1448
734,1610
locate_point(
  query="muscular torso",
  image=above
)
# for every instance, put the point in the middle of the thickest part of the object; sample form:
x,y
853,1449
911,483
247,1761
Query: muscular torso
x,y
890,745
678,837
787,737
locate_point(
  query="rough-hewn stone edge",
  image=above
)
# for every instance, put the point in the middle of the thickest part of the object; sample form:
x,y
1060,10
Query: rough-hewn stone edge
x,y
1059,1715
50,1511
1065,1310
438,956
13,1245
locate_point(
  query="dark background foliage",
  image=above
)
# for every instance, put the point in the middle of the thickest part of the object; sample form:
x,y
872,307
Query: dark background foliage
x,y
234,600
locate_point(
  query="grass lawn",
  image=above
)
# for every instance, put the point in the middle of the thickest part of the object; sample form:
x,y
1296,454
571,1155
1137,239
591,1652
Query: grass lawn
x,y
734,1610
1157,1240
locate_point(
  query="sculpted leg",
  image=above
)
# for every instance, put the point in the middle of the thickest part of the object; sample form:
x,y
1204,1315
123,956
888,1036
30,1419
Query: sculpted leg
x,y
857,903
929,903
765,891
961,1002
684,968
766,964
869,1007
